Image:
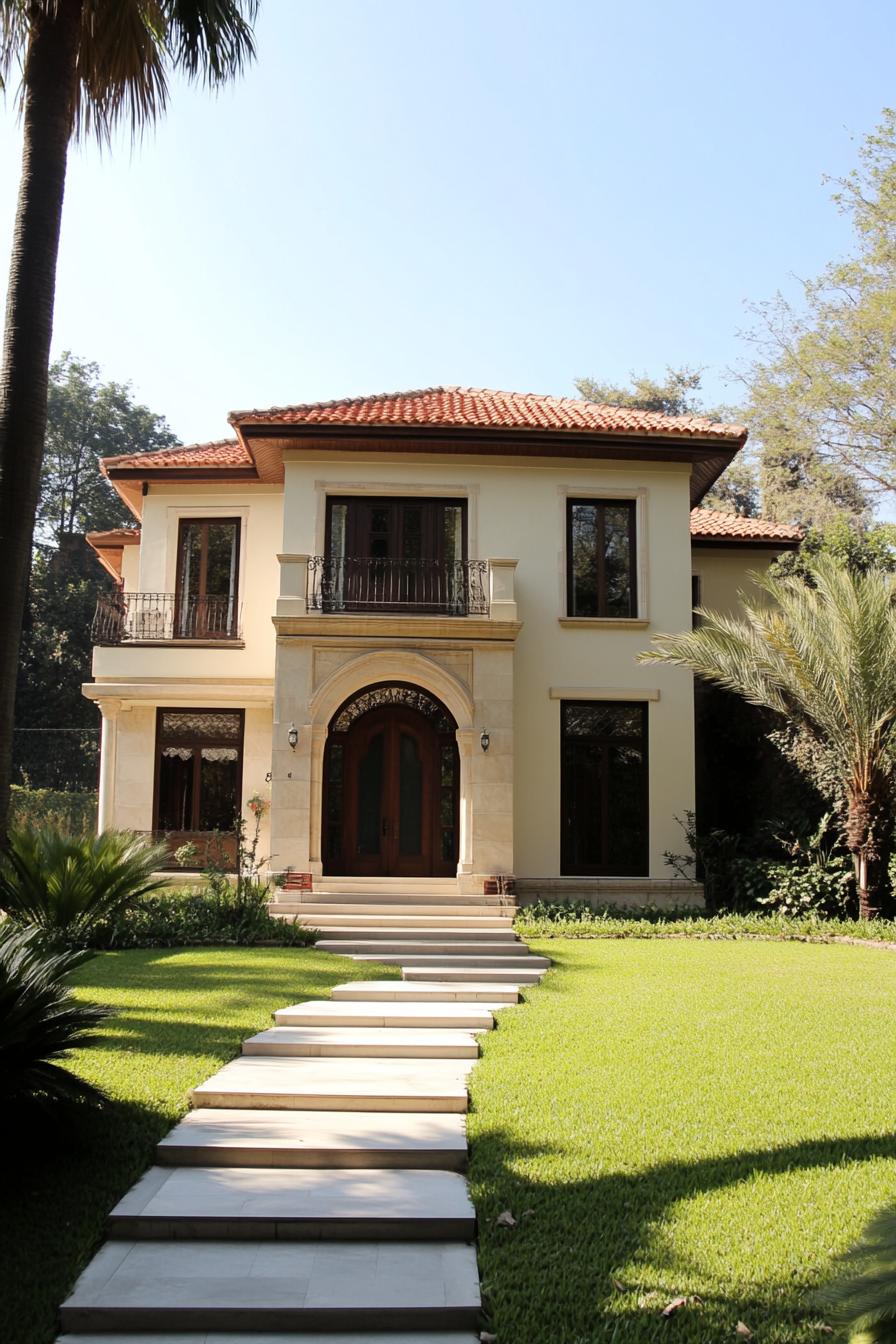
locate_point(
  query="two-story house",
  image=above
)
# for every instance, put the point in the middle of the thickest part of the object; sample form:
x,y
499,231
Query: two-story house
x,y
411,621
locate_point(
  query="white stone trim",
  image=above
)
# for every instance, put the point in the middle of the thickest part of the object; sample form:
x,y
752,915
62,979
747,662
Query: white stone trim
x,y
602,693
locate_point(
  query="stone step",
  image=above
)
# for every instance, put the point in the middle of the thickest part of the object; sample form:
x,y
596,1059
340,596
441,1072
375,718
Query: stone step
x,y
278,1204
472,976
490,993
277,1286
334,1012
330,918
434,886
421,955
243,1138
219,1337
437,932
319,908
266,1083
357,1042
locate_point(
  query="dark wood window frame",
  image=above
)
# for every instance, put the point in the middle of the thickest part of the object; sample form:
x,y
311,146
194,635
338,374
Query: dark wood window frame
x,y
162,741
696,599
231,630
567,866
602,504
395,502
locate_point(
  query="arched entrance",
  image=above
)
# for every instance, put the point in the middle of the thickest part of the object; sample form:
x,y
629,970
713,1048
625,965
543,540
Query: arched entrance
x,y
391,786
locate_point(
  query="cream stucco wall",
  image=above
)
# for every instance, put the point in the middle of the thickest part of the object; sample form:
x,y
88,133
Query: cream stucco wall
x,y
725,571
154,561
517,509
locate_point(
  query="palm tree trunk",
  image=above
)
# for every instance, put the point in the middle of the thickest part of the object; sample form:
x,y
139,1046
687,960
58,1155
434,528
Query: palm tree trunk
x,y
50,83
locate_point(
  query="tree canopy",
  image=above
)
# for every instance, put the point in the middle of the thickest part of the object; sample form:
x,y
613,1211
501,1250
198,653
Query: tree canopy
x,y
737,490
88,419
822,389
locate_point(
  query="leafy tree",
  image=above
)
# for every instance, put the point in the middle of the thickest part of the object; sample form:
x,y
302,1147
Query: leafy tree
x,y
87,66
737,490
860,549
822,391
56,736
823,659
88,419
674,395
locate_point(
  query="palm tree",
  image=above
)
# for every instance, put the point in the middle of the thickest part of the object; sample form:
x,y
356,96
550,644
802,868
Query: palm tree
x,y
87,66
823,657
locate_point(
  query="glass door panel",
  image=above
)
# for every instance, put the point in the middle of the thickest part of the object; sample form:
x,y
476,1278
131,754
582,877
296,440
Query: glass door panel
x,y
410,796
370,796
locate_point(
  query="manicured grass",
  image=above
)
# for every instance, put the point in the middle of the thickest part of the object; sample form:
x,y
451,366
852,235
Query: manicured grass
x,y
709,1119
181,1014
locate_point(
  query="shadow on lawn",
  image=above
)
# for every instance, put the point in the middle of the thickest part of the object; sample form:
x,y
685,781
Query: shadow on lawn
x,y
551,1279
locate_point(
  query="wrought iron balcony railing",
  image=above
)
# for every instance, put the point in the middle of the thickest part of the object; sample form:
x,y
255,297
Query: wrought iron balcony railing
x,y
368,583
167,617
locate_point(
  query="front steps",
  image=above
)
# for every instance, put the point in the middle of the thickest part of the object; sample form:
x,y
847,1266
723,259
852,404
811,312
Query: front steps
x,y
298,1205
315,1195
361,1042
435,1141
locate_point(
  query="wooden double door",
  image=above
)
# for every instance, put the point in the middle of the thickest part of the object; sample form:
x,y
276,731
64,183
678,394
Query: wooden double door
x,y
396,793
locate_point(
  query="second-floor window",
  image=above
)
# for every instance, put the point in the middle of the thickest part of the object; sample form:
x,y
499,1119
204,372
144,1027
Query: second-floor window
x,y
208,552
390,554
600,550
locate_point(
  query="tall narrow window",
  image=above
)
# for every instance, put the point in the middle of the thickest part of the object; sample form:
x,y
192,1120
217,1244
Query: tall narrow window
x,y
696,599
207,578
603,789
600,548
198,775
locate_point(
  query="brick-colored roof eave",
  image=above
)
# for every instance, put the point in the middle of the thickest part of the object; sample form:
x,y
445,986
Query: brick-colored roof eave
x,y
221,453
714,525
483,408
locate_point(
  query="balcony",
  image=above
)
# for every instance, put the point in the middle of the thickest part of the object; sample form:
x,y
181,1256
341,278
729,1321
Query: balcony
x,y
165,618
413,587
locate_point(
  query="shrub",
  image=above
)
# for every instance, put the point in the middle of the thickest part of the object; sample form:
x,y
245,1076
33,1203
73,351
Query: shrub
x,y
72,814
65,885
41,1021
208,916
819,878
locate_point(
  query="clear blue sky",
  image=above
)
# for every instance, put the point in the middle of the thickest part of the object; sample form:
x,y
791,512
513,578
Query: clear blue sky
x,y
478,192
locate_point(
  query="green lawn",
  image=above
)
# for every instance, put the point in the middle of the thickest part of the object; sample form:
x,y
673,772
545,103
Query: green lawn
x,y
710,1119
181,1013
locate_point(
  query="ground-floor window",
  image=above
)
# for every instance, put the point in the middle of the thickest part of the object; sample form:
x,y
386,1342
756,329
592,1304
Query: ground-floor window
x,y
199,763
603,789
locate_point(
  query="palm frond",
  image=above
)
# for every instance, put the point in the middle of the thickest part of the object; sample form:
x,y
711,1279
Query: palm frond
x,y
65,885
862,1298
41,1021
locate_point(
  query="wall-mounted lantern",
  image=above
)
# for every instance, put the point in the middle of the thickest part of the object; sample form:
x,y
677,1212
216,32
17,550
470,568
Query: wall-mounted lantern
x,y
484,739
292,736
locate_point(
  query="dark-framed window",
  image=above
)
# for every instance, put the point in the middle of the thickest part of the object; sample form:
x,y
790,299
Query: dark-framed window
x,y
601,558
396,528
696,600
604,788
199,770
207,585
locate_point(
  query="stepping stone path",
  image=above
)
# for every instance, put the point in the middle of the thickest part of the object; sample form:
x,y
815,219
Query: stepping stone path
x,y
316,1194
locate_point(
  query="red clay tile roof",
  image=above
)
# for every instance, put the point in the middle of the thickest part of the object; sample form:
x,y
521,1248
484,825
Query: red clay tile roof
x,y
116,536
221,453
482,408
712,524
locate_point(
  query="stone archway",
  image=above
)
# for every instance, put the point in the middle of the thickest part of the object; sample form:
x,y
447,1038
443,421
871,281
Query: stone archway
x,y
381,668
